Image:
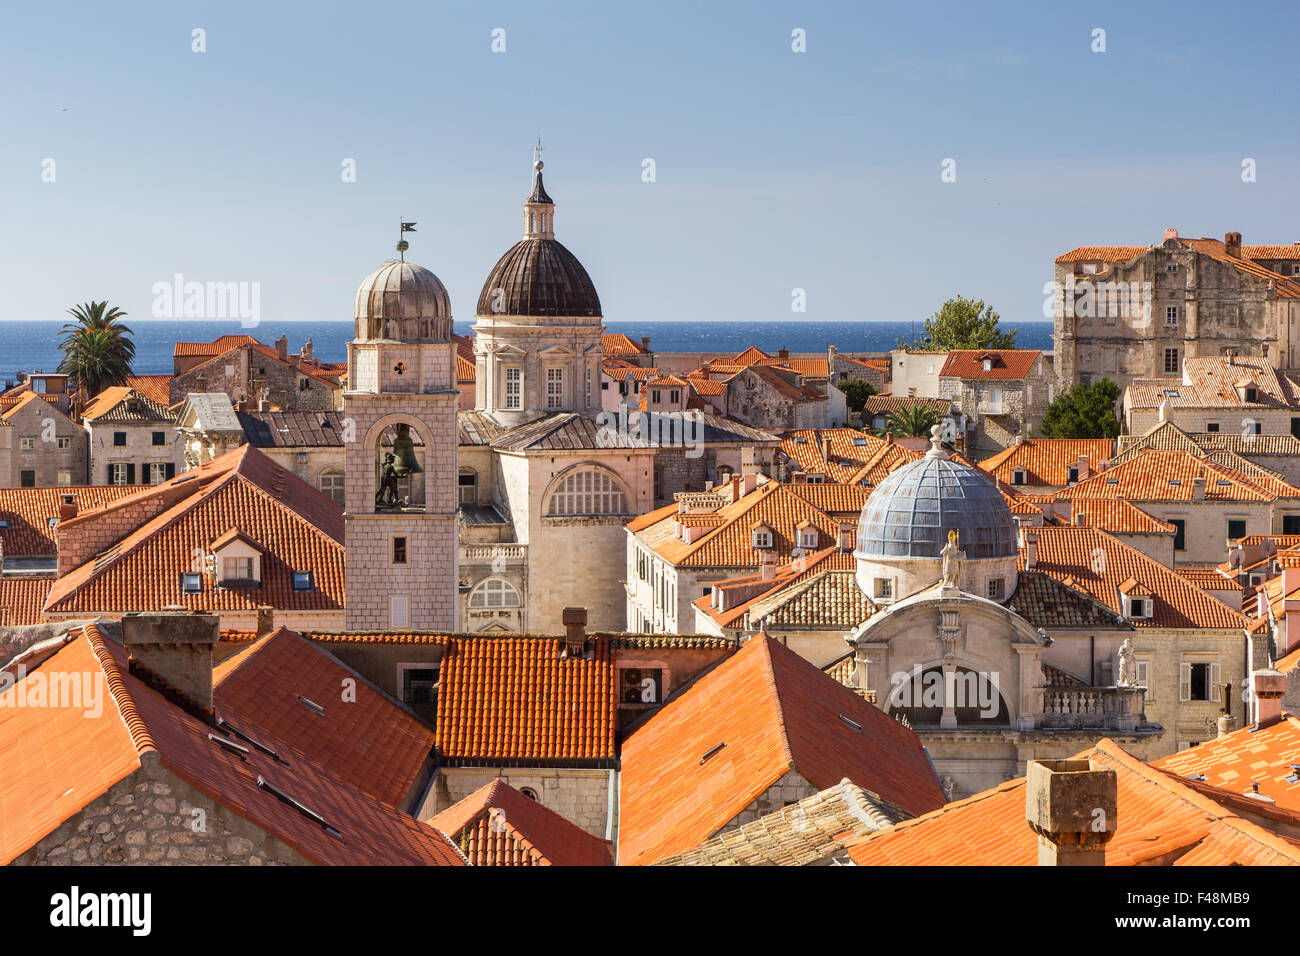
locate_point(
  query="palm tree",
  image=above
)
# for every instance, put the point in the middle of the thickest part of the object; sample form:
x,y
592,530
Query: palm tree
x,y
97,349
912,421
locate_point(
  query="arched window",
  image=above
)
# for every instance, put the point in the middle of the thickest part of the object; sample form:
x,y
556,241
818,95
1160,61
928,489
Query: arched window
x,y
331,483
495,593
588,492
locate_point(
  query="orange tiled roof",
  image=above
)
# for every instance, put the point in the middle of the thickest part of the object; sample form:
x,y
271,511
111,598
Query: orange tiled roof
x,y
218,346
1160,820
63,758
1117,515
849,448
1247,757
1211,381
497,825
153,387
617,343
1272,252
516,699
787,575
1047,461
365,738
1091,561
22,596
28,512
757,715
1007,363
1207,579
1170,476
1102,254
298,528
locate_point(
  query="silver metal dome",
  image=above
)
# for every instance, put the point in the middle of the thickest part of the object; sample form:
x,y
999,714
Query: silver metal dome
x,y
911,512
403,302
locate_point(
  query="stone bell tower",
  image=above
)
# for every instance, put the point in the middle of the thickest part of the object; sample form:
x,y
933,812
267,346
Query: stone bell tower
x,y
399,417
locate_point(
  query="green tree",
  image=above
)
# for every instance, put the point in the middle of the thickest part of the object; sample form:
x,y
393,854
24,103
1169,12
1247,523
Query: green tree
x,y
97,348
1085,411
962,323
856,392
912,421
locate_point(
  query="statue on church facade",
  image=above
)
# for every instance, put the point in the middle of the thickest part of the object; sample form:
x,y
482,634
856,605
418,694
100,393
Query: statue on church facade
x,y
1127,670
951,561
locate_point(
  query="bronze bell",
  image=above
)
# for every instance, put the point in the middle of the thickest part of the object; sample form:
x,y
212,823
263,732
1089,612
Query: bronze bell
x,y
404,452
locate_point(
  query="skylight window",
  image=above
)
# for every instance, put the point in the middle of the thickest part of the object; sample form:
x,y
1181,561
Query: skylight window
x,y
191,583
712,751
302,581
312,705
1171,393
4,522
306,811
239,750
1112,481
852,723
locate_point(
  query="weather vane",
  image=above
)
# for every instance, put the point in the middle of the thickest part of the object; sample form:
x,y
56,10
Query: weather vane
x,y
402,244
537,152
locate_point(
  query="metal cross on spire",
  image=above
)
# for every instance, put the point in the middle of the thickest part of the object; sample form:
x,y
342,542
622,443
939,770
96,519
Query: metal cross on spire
x,y
537,150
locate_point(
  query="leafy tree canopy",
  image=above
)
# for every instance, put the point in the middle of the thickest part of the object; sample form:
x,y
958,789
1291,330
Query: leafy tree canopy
x,y
962,323
1085,411
856,392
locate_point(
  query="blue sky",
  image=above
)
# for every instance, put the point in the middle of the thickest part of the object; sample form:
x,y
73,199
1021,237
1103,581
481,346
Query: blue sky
x,y
775,170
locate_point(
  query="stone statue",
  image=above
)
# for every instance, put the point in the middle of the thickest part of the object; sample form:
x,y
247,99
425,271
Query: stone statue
x,y
387,494
951,561
1127,670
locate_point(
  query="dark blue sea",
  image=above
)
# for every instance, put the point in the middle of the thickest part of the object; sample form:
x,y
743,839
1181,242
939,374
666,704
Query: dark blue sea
x,y
33,346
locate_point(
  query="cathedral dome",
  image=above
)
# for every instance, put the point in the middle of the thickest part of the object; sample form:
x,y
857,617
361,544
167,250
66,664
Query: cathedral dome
x,y
403,302
539,277
911,512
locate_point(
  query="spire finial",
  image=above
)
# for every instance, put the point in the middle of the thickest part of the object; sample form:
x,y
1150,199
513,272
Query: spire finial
x,y
537,153
402,244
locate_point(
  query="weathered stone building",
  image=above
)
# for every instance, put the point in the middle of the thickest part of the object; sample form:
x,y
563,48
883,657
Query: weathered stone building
x,y
40,445
1001,394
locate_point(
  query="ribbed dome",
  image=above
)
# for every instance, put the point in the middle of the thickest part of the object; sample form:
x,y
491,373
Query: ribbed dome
x,y
403,302
539,277
911,512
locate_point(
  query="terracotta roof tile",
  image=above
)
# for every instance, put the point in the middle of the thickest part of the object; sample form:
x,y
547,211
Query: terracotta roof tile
x,y
1047,461
26,513
497,825
1006,363
1245,757
770,712
22,596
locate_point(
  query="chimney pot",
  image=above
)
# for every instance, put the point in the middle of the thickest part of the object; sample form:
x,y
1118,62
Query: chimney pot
x,y
173,649
575,629
1171,233
1071,806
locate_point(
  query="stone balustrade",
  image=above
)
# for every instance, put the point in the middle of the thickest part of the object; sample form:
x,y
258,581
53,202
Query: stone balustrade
x,y
1100,708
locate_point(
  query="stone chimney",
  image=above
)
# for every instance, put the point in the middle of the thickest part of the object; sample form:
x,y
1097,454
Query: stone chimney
x,y
282,348
67,507
826,447
307,350
1031,550
645,342
768,565
263,403
172,651
265,619
1071,806
1232,244
847,536
1079,519
1082,465
783,354
1198,489
1269,687
1227,723
575,631
1171,233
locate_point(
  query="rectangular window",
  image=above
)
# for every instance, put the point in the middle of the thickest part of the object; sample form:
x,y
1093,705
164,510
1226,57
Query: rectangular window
x,y
237,569
514,378
674,396
1072,474
1171,360
467,486
1198,680
1018,476
884,589
654,396
1142,676
1180,533
27,444
160,438
399,550
554,388
995,589
1212,426
1171,315
65,443
302,581
398,611
119,439
27,478
119,473
1236,528
420,688
191,583
65,476
1291,524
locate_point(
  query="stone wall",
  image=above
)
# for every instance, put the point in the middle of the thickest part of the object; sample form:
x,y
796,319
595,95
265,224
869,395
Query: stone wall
x,y
791,788
242,373
45,426
150,819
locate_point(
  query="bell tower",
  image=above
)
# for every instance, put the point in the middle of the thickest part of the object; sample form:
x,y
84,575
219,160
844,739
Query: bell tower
x,y
399,418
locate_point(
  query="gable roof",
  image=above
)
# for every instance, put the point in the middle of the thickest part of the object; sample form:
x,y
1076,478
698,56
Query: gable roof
x,y
1088,559
757,715
26,514
1245,757
616,343
1161,820
1007,363
124,405
156,388
1170,476
293,429
497,825
68,757
218,346
362,736
297,527
1047,461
